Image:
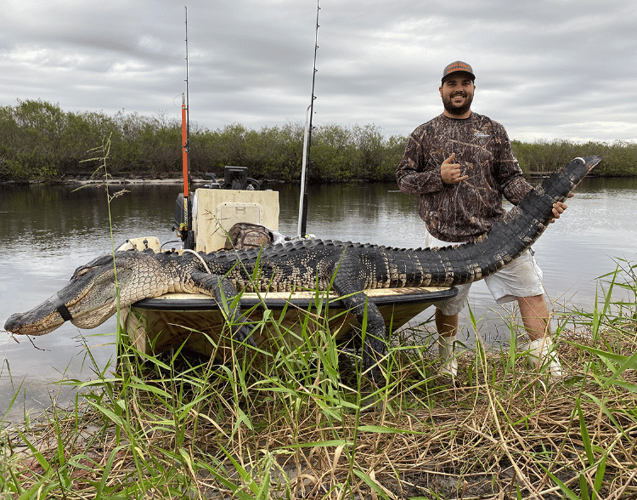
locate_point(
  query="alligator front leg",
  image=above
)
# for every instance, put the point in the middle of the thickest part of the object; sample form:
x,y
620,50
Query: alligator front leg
x,y
224,293
374,346
375,335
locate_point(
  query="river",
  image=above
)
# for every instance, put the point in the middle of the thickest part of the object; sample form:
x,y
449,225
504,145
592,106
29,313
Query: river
x,y
48,231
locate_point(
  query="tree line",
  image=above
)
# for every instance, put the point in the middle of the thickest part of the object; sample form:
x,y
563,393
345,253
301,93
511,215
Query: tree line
x,y
40,141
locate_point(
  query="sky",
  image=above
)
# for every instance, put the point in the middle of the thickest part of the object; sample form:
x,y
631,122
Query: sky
x,y
547,70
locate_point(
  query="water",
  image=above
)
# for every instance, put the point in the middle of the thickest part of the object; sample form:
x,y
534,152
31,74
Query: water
x,y
46,232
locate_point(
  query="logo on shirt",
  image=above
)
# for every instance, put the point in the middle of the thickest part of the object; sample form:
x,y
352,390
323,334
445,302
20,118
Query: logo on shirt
x,y
481,135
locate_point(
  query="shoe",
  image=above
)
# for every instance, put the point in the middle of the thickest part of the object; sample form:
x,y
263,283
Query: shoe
x,y
541,353
447,355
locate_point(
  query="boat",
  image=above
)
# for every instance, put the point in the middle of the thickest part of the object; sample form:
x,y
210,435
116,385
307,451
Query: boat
x,y
203,221
175,319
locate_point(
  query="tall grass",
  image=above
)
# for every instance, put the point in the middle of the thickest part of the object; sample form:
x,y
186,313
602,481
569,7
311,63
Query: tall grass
x,y
307,424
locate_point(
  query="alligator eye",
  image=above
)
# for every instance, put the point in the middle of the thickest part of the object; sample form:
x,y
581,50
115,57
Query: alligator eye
x,y
82,272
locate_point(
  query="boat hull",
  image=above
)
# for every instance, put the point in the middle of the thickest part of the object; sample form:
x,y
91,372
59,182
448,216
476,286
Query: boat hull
x,y
194,320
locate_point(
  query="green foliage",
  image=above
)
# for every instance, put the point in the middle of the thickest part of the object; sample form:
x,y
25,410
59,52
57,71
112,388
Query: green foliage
x,y
542,157
39,141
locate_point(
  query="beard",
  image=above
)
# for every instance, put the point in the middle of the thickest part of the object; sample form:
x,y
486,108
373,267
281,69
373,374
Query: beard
x,y
454,109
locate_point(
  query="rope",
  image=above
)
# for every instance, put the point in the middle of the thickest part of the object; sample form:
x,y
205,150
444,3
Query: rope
x,y
199,257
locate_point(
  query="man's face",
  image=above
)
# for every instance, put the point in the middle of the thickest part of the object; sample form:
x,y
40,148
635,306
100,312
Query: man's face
x,y
457,94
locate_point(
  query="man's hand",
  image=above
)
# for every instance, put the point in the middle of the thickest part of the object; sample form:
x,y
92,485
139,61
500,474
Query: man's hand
x,y
558,208
450,172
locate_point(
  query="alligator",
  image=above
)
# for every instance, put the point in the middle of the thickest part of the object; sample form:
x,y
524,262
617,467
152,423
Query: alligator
x,y
347,268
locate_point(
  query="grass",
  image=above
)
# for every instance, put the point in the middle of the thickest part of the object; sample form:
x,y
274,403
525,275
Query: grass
x,y
307,424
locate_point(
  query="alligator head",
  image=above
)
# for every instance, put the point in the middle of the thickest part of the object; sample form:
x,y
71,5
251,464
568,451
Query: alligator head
x,y
91,296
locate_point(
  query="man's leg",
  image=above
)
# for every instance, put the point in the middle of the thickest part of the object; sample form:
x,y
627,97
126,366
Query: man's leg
x,y
535,317
447,321
447,327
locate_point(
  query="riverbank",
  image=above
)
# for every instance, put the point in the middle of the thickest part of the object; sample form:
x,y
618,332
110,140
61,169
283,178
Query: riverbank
x,y
185,430
133,180
88,181
534,177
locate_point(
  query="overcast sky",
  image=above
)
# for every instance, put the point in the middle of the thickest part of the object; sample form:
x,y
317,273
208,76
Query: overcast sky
x,y
558,69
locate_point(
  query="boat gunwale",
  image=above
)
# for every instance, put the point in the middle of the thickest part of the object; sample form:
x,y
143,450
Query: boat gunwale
x,y
381,297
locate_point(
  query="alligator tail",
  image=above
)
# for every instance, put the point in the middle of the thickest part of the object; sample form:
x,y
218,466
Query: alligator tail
x,y
513,234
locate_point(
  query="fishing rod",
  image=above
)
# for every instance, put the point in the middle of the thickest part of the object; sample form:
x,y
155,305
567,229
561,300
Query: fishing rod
x,y
185,227
307,140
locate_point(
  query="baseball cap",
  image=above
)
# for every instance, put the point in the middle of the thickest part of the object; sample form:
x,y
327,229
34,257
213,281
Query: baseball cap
x,y
457,67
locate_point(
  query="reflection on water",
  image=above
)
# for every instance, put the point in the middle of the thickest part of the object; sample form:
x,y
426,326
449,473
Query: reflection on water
x,y
46,232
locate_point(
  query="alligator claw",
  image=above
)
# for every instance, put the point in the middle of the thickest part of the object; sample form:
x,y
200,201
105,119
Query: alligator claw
x,y
376,374
244,334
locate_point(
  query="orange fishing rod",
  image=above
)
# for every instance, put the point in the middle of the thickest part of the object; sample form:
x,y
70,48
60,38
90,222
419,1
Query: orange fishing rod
x,y
185,229
186,173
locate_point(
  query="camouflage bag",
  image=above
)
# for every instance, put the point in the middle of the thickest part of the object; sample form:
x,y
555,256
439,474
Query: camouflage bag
x,y
247,235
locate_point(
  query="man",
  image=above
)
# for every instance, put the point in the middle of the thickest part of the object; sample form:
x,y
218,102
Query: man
x,y
460,164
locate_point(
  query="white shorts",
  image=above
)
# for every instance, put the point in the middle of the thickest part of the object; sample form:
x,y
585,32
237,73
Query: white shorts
x,y
521,278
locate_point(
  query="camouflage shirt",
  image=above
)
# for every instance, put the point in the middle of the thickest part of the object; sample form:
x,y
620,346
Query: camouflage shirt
x,y
460,212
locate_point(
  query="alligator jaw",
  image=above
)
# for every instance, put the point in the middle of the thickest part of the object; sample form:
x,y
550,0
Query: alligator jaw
x,y
87,301
53,313
41,320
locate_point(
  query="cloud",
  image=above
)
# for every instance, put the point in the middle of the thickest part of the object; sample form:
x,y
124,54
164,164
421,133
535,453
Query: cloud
x,y
551,70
